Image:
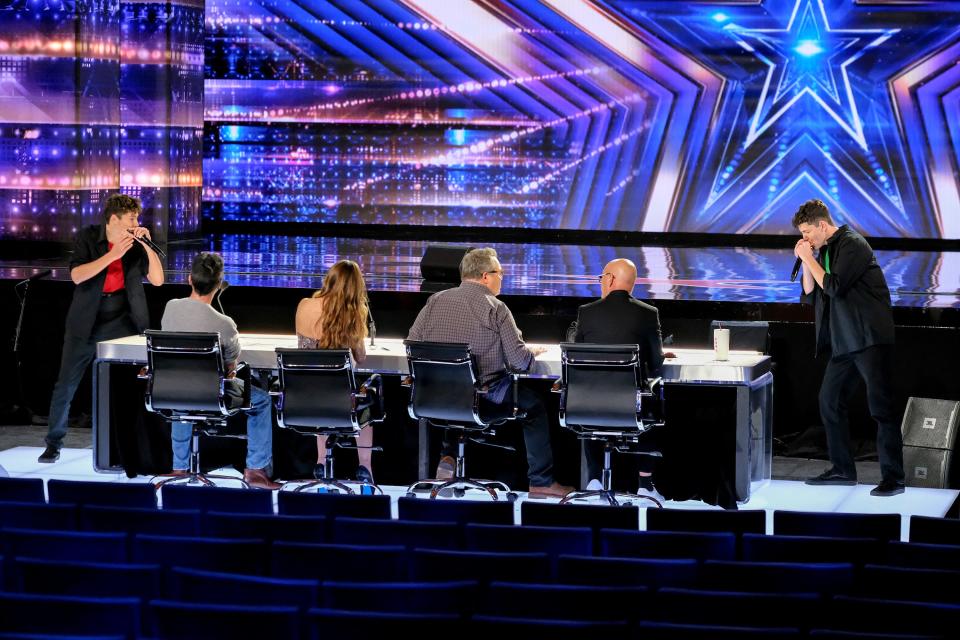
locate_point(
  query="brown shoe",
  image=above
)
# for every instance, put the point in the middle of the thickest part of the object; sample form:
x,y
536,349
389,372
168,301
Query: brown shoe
x,y
258,479
555,490
446,468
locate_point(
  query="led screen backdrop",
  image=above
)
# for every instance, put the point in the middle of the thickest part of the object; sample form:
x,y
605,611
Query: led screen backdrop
x,y
97,97
635,116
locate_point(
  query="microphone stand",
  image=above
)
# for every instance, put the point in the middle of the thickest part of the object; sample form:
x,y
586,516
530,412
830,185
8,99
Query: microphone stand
x,y
20,401
371,328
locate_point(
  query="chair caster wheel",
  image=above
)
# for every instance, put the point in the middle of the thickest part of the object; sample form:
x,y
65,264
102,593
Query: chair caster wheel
x,y
511,496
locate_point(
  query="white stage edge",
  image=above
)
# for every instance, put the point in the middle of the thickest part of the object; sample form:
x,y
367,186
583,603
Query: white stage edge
x,y
788,495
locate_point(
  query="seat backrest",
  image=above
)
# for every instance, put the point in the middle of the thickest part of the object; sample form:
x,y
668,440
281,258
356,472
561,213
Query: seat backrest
x,y
186,373
318,390
600,386
444,381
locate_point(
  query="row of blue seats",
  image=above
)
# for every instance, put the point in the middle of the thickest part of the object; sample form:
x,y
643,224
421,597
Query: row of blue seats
x,y
882,526
398,564
111,527
429,591
728,615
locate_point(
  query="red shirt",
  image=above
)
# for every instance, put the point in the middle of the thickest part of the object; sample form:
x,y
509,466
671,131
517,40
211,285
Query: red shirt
x,y
114,279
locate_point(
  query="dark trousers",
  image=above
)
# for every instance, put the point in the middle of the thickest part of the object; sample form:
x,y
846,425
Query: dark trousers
x,y
536,439
875,365
77,355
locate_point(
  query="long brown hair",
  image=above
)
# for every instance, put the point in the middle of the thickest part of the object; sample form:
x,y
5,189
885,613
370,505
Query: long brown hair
x,y
343,322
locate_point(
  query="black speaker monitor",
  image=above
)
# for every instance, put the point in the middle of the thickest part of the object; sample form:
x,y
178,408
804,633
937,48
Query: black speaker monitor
x,y
441,262
932,423
926,467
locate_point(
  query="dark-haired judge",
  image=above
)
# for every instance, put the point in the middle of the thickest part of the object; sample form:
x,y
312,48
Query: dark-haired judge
x,y
108,264
196,314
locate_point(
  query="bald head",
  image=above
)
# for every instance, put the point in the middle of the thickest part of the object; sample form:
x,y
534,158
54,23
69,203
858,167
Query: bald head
x,y
622,276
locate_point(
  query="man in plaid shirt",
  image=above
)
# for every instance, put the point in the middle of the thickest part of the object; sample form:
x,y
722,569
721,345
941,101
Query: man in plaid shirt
x,y
472,314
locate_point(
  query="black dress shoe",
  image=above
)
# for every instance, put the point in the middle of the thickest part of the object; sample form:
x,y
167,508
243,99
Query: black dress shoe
x,y
887,488
49,455
832,477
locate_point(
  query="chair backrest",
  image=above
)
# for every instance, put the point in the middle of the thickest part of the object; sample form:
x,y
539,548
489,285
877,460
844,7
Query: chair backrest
x,y
22,490
738,522
603,388
459,511
64,545
90,579
70,616
317,390
333,505
106,494
181,496
191,620
38,515
444,382
882,526
595,516
186,374
934,530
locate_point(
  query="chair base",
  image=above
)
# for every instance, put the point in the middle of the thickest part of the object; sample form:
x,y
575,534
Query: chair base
x,y
612,498
457,487
194,478
338,486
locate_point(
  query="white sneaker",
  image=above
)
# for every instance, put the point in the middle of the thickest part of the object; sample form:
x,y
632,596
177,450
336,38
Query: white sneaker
x,y
651,493
594,485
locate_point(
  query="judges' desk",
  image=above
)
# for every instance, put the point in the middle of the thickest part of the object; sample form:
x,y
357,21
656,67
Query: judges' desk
x,y
719,414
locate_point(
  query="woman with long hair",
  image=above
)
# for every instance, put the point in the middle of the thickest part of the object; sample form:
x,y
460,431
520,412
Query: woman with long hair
x,y
335,317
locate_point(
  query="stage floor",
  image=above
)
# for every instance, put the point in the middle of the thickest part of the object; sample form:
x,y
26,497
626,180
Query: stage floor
x,y
77,464
719,274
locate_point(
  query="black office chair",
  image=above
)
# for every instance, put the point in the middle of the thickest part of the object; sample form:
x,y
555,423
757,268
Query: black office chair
x,y
318,396
187,382
604,396
446,393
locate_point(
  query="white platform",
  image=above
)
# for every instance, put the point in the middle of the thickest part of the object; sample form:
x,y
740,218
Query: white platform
x,y
77,464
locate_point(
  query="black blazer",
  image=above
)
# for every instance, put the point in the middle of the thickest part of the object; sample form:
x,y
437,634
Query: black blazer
x,y
622,319
92,243
853,308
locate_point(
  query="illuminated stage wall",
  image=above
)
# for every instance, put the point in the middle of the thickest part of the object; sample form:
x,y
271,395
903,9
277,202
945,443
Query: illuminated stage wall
x,y
617,115
627,115
97,97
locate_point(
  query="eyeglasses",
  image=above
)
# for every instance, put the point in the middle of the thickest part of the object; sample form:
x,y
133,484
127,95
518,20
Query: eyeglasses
x,y
499,272
603,275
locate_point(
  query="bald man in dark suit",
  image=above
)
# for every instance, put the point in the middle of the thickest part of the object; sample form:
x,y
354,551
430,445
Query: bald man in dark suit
x,y
619,318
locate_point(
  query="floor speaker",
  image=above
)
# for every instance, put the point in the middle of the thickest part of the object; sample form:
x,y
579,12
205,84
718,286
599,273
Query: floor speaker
x,y
931,423
925,467
929,434
441,262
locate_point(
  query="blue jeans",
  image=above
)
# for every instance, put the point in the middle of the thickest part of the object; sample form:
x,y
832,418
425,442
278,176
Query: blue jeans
x,y
259,434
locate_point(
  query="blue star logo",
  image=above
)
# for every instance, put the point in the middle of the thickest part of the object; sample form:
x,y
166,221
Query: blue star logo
x,y
807,60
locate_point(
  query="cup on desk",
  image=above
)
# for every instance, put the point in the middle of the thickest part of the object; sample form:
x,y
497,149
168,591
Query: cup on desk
x,y
721,344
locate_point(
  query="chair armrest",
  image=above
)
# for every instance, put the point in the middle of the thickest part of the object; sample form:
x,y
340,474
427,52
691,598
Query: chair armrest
x,y
374,384
244,372
653,384
374,381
